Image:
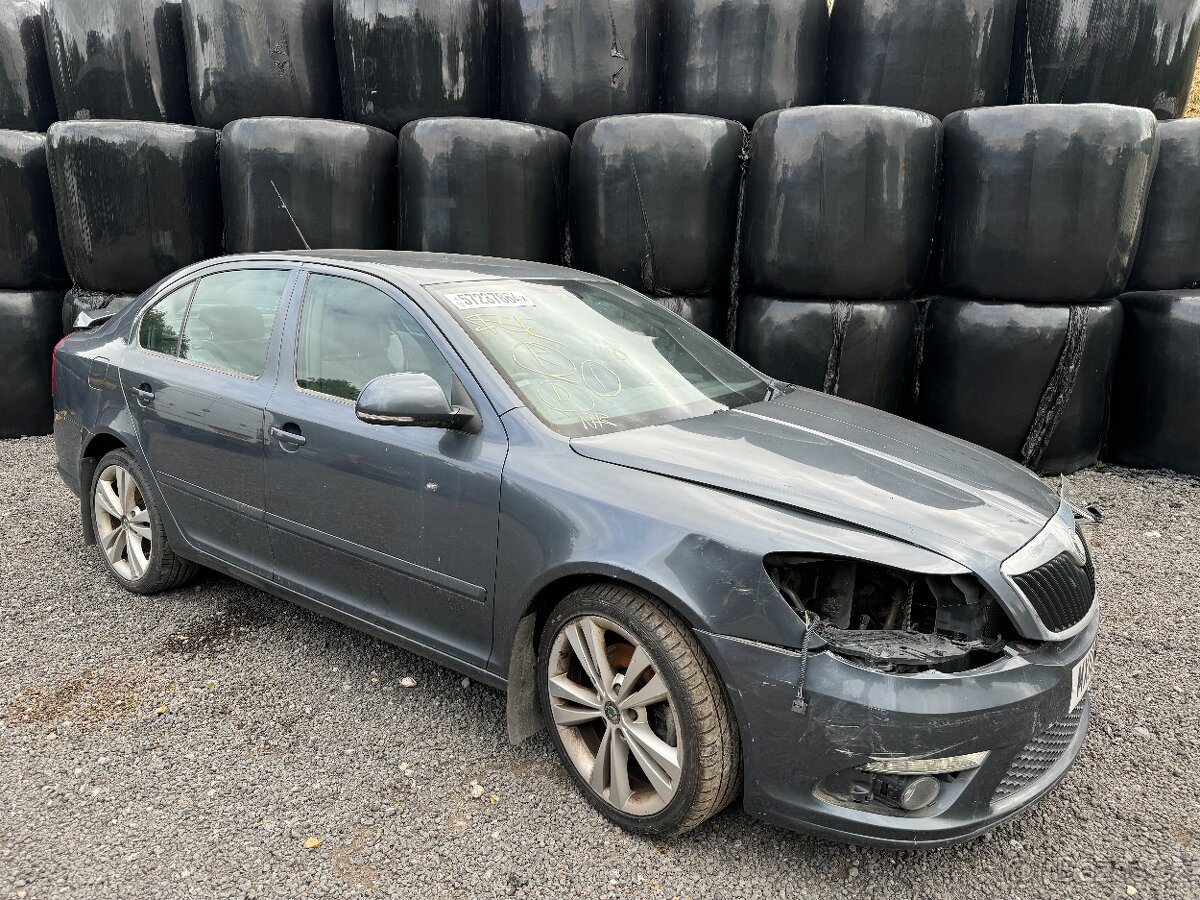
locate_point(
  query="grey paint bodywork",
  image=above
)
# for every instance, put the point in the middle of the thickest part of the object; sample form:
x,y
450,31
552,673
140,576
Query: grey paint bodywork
x,y
454,543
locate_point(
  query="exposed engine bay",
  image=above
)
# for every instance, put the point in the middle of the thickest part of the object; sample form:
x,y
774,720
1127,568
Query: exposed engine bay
x,y
889,619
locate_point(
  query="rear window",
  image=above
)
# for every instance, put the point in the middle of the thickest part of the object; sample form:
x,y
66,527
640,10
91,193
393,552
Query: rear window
x,y
163,322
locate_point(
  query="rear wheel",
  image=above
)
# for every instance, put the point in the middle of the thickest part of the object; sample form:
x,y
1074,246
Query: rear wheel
x,y
129,530
638,714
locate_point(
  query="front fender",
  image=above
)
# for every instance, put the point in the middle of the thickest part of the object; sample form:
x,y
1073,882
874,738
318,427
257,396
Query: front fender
x,y
698,549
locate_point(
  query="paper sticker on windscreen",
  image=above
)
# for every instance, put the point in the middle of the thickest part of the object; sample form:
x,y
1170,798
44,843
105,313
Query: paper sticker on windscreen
x,y
489,300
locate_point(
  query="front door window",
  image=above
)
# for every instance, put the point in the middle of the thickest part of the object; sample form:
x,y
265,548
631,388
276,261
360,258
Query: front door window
x,y
351,333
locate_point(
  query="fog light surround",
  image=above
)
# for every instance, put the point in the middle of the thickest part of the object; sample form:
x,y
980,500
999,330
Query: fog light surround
x,y
911,765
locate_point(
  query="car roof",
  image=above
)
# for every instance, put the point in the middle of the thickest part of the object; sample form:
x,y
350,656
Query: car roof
x,y
428,269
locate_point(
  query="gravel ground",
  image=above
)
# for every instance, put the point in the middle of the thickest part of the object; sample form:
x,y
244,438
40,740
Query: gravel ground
x,y
202,743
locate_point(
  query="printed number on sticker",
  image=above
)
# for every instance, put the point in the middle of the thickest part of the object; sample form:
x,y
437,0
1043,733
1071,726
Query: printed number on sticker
x,y
489,300
1081,677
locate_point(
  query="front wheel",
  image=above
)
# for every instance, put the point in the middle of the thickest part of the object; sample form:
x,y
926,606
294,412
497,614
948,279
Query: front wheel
x,y
638,714
129,529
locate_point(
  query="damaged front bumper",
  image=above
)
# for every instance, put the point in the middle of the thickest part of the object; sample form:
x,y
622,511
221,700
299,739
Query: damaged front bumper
x,y
803,752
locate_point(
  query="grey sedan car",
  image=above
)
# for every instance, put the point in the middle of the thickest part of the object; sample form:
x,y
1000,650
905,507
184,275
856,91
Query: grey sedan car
x,y
707,585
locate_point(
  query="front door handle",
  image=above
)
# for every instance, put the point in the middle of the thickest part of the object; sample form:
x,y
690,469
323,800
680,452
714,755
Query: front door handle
x,y
143,394
295,438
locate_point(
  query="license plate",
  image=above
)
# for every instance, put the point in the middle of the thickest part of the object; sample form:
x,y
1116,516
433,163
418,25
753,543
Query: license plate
x,y
1081,677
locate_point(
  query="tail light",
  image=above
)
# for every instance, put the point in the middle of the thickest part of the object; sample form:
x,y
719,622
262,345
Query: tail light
x,y
54,362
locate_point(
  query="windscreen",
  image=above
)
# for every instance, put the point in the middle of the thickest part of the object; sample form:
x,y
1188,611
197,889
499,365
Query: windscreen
x,y
591,358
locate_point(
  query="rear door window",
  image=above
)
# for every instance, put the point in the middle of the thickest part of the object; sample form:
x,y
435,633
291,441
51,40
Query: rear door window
x,y
230,320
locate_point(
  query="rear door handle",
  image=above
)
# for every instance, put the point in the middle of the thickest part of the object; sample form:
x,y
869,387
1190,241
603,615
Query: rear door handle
x,y
288,437
143,394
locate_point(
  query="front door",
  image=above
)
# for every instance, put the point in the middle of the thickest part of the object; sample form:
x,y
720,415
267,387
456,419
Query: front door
x,y
396,526
197,381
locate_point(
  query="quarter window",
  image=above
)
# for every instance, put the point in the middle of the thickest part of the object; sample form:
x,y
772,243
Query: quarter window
x,y
351,333
229,323
163,322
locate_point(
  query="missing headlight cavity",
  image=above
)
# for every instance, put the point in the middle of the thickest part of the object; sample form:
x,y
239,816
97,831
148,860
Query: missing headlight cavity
x,y
895,621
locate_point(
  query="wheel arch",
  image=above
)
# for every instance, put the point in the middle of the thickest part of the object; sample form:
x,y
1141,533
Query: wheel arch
x,y
523,711
97,447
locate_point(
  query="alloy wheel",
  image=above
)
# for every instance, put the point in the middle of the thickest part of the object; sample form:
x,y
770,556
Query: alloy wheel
x,y
615,715
123,523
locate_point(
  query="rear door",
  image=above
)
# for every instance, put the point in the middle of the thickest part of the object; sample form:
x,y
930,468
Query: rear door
x,y
396,526
197,378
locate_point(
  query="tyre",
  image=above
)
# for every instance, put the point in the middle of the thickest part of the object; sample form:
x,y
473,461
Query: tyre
x,y
637,712
129,529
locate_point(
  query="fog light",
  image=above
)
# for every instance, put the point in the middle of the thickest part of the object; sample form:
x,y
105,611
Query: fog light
x,y
909,765
908,794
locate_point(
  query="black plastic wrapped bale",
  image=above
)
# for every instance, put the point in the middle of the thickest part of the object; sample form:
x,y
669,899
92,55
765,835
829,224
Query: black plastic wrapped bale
x,y
863,350
1168,255
30,255
1131,52
402,60
1044,202
938,56
135,200
710,314
118,59
1028,380
79,300
654,201
564,62
289,184
26,92
261,58
840,202
484,187
739,59
29,329
1156,391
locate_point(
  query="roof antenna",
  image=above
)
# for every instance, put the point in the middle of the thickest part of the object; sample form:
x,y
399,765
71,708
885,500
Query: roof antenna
x,y
284,207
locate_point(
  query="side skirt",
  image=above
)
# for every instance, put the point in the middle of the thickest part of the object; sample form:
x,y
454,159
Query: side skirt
x,y
491,679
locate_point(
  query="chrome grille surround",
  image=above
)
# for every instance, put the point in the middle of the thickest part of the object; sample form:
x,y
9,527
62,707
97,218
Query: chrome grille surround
x,y
1055,576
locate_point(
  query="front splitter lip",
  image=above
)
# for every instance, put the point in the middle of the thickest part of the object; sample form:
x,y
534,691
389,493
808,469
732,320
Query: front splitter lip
x,y
852,714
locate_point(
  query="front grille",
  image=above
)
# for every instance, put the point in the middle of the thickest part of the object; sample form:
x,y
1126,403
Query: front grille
x,y
1039,755
1060,591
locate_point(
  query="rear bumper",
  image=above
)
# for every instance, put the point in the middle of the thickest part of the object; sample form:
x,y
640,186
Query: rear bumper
x,y
853,714
68,445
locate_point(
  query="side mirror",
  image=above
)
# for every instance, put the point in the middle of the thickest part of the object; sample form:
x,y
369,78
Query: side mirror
x,y
411,399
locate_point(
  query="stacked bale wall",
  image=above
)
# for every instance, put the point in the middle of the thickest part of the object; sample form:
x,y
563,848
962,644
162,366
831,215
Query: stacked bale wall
x,y
838,227
260,58
135,200
1156,404
29,329
1042,210
31,271
564,62
118,59
1047,216
654,205
402,60
1130,52
485,187
937,56
291,184
740,60
26,91
1168,254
